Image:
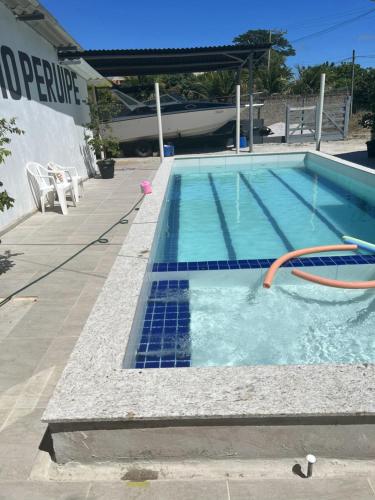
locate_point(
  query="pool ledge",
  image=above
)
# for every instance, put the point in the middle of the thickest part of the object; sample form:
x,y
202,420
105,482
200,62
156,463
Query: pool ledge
x,y
94,388
102,394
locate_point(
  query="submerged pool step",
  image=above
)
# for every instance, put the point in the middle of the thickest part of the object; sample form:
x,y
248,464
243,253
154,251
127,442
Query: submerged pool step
x,y
165,338
215,265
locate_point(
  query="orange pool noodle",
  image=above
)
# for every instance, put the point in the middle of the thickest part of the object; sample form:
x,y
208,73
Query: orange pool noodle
x,y
333,283
297,253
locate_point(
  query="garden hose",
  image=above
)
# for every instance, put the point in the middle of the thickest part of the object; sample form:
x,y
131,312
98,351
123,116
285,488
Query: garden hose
x,y
100,239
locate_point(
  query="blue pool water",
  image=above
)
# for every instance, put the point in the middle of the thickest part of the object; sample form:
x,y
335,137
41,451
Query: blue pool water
x,y
288,324
221,227
200,323
255,213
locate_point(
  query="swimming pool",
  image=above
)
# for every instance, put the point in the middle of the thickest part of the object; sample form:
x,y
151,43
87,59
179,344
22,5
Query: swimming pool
x,y
250,211
245,360
222,226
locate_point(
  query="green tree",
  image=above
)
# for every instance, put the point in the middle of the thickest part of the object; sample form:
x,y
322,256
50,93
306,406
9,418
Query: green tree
x,y
280,44
275,76
218,85
338,77
276,79
140,87
364,89
307,80
186,85
7,127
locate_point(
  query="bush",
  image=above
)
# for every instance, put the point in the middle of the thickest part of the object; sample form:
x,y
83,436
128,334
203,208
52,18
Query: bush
x,y
368,121
7,127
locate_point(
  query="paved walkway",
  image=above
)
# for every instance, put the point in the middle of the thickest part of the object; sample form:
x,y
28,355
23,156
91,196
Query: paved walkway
x,y
239,489
36,338
39,328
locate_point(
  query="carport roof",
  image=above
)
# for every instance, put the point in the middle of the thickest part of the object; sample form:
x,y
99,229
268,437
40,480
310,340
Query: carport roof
x,y
163,61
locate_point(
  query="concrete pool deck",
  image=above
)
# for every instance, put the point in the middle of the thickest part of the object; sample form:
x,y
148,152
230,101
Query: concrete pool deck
x,y
34,352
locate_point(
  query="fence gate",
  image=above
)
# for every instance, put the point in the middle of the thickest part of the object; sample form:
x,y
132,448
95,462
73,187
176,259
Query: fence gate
x,y
335,124
300,123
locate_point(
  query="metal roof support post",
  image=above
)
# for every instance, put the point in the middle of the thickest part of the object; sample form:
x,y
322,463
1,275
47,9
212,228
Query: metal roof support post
x,y
251,102
320,111
95,102
160,126
238,117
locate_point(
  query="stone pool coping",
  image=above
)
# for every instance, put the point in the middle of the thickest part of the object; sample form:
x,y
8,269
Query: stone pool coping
x,y
94,386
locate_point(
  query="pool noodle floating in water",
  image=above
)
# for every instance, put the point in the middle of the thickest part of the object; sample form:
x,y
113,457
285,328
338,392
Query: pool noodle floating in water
x,y
297,253
360,243
333,283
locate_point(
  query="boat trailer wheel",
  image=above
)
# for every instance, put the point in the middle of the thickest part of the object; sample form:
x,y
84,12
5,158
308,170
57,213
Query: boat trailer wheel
x,y
143,149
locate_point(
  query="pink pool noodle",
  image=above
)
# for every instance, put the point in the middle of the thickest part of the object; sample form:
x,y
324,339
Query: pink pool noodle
x,y
146,187
296,253
333,283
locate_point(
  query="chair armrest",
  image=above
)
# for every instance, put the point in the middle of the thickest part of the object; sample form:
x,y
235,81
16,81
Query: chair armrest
x,y
71,170
47,177
50,177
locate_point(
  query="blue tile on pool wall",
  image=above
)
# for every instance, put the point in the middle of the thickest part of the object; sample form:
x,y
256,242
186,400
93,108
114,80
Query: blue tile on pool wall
x,y
165,339
214,265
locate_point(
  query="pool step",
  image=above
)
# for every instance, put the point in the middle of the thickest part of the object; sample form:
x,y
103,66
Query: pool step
x,y
165,338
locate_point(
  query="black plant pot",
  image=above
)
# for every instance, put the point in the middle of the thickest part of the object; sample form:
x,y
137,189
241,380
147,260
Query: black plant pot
x,y
106,168
371,148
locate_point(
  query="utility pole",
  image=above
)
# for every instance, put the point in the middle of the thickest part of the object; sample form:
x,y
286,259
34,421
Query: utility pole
x,y
270,33
352,85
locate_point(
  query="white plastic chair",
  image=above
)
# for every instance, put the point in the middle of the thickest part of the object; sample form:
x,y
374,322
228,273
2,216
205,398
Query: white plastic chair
x,y
47,184
73,176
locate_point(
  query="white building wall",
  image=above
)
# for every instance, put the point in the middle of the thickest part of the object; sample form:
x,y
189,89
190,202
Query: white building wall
x,y
53,130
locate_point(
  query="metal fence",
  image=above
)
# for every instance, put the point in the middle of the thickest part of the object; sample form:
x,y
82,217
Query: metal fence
x,y
301,121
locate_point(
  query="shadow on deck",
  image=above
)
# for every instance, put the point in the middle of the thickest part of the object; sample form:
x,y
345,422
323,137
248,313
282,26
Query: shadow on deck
x,y
359,157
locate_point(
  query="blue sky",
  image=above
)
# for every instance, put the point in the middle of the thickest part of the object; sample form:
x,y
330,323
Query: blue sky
x,y
123,24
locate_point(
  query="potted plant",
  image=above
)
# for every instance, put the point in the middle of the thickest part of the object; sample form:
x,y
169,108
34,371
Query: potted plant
x,y
368,121
102,108
108,148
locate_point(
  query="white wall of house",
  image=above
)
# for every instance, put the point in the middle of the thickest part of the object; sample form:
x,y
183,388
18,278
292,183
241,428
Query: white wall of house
x,y
31,91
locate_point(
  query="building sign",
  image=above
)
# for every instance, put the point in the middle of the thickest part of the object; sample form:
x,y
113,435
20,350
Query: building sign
x,y
21,74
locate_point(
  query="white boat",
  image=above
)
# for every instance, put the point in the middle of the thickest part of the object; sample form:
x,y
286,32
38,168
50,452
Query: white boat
x,y
165,100
136,123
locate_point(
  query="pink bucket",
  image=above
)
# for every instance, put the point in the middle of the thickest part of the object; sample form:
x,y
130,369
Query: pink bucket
x,y
146,187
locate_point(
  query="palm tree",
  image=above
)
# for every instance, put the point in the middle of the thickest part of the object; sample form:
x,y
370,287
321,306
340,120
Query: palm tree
x,y
308,78
275,80
217,85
